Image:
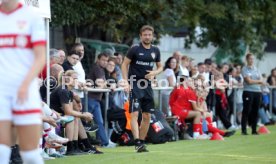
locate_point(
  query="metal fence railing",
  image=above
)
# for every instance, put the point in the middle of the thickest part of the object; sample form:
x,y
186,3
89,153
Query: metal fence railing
x,y
159,92
106,94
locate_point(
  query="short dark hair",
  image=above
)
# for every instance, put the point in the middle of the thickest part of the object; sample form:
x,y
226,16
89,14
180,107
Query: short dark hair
x,y
74,52
75,45
102,54
200,64
208,61
183,78
146,27
117,54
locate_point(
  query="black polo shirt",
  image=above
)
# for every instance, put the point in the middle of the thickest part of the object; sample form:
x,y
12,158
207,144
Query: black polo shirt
x,y
142,60
43,89
60,95
67,66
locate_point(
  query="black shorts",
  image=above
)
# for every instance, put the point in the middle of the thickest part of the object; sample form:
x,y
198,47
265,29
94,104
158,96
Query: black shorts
x,y
141,99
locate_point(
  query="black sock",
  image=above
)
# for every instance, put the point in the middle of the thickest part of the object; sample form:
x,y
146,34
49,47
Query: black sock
x,y
76,144
70,146
142,141
137,142
86,143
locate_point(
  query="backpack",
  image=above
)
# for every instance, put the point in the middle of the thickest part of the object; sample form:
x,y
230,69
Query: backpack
x,y
116,119
159,130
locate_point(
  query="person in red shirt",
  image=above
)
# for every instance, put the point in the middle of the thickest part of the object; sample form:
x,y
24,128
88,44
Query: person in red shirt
x,y
201,93
183,102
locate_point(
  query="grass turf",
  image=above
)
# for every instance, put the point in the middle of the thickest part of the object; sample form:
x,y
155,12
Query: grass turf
x,y
236,149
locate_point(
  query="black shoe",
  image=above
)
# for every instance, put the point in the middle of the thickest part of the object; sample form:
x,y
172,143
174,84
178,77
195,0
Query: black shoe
x,y
70,152
15,156
93,150
94,141
141,148
230,133
91,127
244,133
75,152
255,133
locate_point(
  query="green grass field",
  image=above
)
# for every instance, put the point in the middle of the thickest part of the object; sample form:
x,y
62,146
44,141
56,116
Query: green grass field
x,y
236,149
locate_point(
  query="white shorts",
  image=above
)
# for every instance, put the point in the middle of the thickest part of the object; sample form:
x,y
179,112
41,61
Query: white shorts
x,y
22,114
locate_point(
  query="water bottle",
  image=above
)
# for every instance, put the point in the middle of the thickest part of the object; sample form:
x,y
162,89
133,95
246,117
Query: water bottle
x,y
169,112
204,125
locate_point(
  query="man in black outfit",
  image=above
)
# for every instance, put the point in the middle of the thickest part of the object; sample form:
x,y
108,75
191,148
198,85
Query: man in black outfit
x,y
62,102
138,68
72,59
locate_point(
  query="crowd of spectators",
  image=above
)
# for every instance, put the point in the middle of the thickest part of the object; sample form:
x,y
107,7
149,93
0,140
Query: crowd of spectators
x,y
203,91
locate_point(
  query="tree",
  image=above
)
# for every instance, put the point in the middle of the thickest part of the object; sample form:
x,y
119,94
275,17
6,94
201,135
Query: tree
x,y
225,24
116,20
228,24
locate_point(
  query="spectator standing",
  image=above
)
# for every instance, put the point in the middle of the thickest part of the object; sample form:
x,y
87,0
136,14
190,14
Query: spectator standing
x,y
185,62
72,59
54,59
119,61
97,75
177,55
271,80
170,66
62,56
251,95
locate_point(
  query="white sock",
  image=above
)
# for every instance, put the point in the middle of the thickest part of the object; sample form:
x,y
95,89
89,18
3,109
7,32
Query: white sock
x,y
195,135
52,132
5,153
46,126
48,112
51,151
32,157
40,144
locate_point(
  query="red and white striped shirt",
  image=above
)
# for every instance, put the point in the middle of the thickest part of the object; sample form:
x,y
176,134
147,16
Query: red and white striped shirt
x,y
20,31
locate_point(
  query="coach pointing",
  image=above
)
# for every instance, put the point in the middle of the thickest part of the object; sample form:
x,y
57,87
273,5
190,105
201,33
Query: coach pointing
x,y
137,69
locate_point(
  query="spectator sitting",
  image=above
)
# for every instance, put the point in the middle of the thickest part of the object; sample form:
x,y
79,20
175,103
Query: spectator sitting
x,y
182,103
61,101
55,73
82,85
201,93
50,117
